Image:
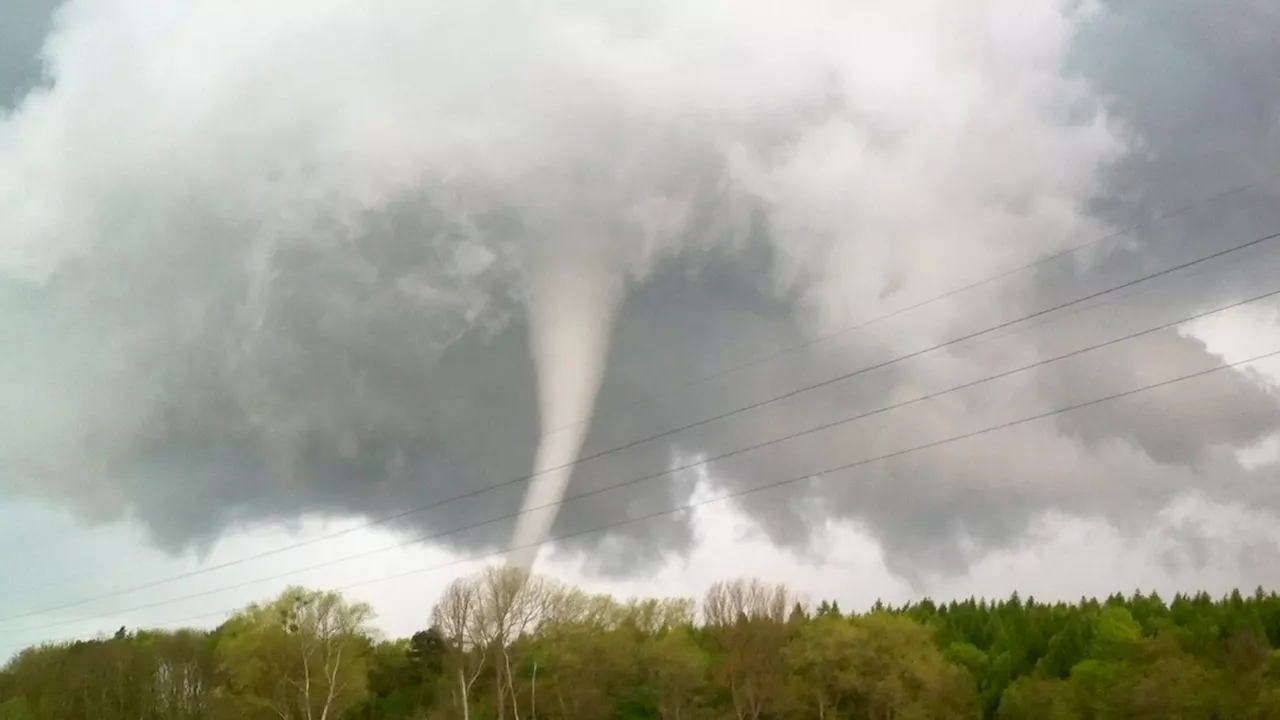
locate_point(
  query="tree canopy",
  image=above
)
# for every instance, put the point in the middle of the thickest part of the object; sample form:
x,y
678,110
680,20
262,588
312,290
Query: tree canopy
x,y
501,644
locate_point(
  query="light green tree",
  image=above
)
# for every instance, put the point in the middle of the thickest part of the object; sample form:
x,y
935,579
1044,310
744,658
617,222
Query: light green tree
x,y
302,656
879,666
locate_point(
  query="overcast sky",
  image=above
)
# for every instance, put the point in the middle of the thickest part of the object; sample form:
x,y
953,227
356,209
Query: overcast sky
x,y
272,272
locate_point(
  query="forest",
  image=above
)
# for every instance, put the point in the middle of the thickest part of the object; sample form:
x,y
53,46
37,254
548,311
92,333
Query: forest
x,y
504,645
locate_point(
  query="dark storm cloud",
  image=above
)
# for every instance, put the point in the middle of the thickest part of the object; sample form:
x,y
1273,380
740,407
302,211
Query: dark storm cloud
x,y
1175,426
298,284
22,32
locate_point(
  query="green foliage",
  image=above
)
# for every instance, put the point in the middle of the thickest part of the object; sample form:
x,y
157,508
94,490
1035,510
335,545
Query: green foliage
x,y
506,646
16,709
304,654
879,665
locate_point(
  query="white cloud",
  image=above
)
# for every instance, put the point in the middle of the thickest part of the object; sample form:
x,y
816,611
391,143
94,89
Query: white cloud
x,y
1236,336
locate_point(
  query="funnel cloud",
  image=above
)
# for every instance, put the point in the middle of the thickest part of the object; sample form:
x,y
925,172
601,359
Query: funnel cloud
x,y
571,308
265,261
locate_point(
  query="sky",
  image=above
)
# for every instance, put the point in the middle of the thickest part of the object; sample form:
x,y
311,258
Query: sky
x,y
272,278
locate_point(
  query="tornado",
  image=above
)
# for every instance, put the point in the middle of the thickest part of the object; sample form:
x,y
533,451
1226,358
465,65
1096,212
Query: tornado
x,y
573,300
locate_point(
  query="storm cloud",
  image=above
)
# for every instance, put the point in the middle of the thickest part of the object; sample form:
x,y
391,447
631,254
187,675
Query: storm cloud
x,y
261,261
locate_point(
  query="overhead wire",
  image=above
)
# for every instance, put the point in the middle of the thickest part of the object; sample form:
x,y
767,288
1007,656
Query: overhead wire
x,y
701,462
748,491
827,337
709,420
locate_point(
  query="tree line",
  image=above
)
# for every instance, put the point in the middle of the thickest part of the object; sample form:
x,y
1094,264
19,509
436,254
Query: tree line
x,y
504,645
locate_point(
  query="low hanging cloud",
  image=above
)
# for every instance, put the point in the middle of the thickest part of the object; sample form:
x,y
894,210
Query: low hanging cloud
x,y
261,261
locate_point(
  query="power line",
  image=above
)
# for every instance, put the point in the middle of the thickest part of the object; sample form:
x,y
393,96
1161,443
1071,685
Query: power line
x,y
634,481
727,414
339,533
1038,323
1147,222
741,493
